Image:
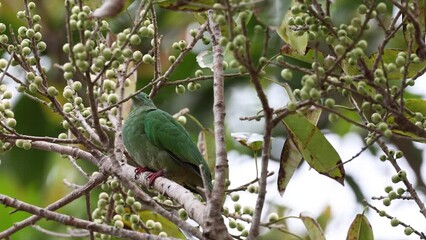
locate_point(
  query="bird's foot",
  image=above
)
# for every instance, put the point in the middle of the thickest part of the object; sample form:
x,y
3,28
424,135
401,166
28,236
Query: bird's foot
x,y
154,175
139,170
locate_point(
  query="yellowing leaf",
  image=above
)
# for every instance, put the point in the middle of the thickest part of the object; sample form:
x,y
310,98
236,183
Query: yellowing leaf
x,y
360,229
315,231
314,147
291,157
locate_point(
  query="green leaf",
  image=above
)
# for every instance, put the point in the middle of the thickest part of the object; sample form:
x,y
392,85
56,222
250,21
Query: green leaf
x,y
315,231
253,141
325,217
314,147
291,37
416,105
271,12
207,147
192,5
360,229
389,56
291,156
170,228
125,18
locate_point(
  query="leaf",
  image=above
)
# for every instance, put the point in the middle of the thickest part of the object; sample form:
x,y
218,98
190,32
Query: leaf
x,y
124,19
291,157
271,12
389,56
291,37
207,147
170,228
416,105
191,5
314,147
360,229
253,141
325,217
205,60
315,231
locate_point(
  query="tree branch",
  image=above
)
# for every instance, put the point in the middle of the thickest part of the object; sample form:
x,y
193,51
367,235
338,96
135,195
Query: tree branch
x,y
72,221
214,227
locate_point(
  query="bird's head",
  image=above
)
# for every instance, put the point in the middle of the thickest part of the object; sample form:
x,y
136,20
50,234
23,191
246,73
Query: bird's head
x,y
142,100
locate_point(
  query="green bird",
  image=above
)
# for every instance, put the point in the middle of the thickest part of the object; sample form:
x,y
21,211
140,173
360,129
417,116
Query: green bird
x,y
160,144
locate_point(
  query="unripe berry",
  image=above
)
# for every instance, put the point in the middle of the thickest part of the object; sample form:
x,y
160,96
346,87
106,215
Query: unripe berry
x,y
232,223
247,210
400,61
199,73
286,74
180,89
387,133
62,136
291,106
137,56
134,218
362,9
182,44
130,200
392,195
329,102
394,222
235,197
172,59
182,120
237,207
158,226
386,202
273,217
395,179
118,224
408,231
191,86
135,39
339,49
148,59
240,227
136,206
52,91
388,189
26,145
11,122
112,98
183,214
402,174
381,7
149,224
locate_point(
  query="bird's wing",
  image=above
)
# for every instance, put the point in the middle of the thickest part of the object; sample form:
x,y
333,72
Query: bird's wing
x,y
165,132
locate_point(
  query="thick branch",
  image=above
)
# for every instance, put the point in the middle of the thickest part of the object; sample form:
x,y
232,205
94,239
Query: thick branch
x,y
214,227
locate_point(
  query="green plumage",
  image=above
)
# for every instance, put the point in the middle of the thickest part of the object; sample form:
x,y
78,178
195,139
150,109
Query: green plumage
x,y
155,140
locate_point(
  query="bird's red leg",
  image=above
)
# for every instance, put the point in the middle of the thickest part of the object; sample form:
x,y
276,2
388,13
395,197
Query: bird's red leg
x,y
139,170
154,175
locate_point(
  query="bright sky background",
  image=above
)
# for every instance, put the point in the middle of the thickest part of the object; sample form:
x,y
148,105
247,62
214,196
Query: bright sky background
x,y
312,192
